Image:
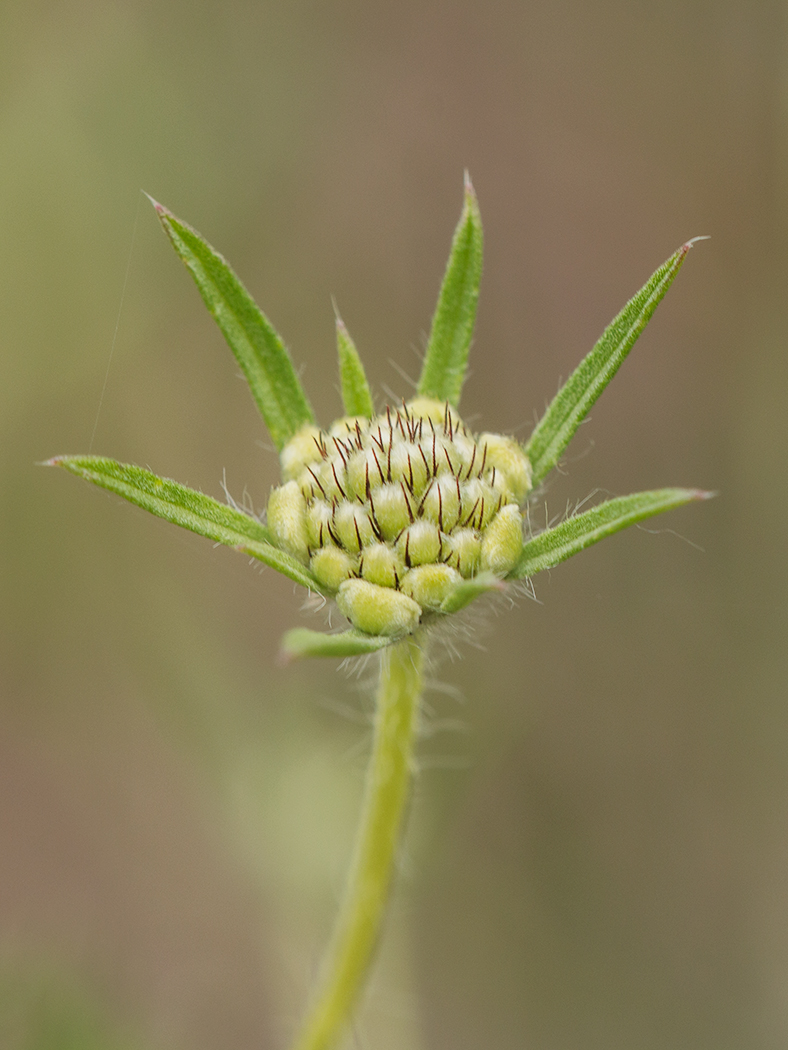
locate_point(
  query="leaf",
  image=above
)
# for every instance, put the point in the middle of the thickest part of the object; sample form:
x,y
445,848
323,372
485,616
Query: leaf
x,y
464,593
302,642
188,508
258,348
446,360
581,531
356,395
572,402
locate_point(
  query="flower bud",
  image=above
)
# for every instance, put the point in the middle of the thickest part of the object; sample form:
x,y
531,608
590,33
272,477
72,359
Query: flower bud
x,y
332,566
463,550
430,584
506,456
441,503
420,543
304,448
352,526
502,541
382,565
318,523
392,510
287,520
377,610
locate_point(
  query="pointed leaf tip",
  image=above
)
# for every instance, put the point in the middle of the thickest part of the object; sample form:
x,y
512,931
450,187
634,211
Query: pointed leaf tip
x,y
257,346
160,209
446,358
547,549
356,394
574,400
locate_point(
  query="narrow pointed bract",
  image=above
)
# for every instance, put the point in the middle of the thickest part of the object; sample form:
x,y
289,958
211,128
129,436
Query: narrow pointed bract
x,y
446,359
469,590
573,535
258,348
188,508
301,642
571,404
356,395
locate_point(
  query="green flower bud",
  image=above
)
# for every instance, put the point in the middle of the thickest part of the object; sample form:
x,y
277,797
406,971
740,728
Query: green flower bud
x,y
352,526
420,543
430,584
441,503
506,456
332,566
392,509
378,610
383,565
427,408
480,503
502,541
346,427
364,470
287,520
407,465
305,448
463,550
318,523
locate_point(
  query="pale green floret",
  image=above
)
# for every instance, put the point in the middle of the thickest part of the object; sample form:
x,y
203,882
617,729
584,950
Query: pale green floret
x,y
392,510
406,464
332,566
480,503
383,565
502,541
302,450
363,467
330,479
355,474
507,457
430,584
346,427
441,455
427,408
463,550
464,453
318,519
352,526
378,610
441,503
420,543
287,520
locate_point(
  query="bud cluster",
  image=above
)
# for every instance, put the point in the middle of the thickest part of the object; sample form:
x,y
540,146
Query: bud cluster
x,y
391,514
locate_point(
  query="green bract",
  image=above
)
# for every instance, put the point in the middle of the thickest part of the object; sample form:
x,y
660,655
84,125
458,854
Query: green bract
x,y
403,516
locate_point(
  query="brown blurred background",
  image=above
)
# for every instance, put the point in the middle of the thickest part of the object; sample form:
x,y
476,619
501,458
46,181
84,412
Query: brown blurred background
x,y
599,857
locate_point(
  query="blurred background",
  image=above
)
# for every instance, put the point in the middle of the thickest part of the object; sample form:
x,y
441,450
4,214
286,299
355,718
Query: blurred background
x,y
598,848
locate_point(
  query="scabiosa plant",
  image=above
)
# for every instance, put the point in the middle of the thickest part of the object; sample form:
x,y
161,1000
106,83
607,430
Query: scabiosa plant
x,y
402,517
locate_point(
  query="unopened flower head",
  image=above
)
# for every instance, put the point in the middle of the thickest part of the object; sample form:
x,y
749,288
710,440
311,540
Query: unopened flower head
x,y
406,516
392,513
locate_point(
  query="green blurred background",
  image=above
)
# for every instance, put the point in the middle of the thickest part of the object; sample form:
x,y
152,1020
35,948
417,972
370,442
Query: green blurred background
x,y
598,849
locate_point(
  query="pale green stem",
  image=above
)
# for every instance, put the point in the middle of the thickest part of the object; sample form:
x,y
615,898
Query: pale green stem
x,y
369,879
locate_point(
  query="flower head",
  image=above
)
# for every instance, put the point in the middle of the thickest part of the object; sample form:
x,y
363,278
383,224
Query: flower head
x,y
404,516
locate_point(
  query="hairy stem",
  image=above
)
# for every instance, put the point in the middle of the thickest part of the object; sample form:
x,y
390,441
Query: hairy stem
x,y
369,879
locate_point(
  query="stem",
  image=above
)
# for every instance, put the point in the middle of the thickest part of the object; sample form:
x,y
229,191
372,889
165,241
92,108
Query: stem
x,y
367,890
